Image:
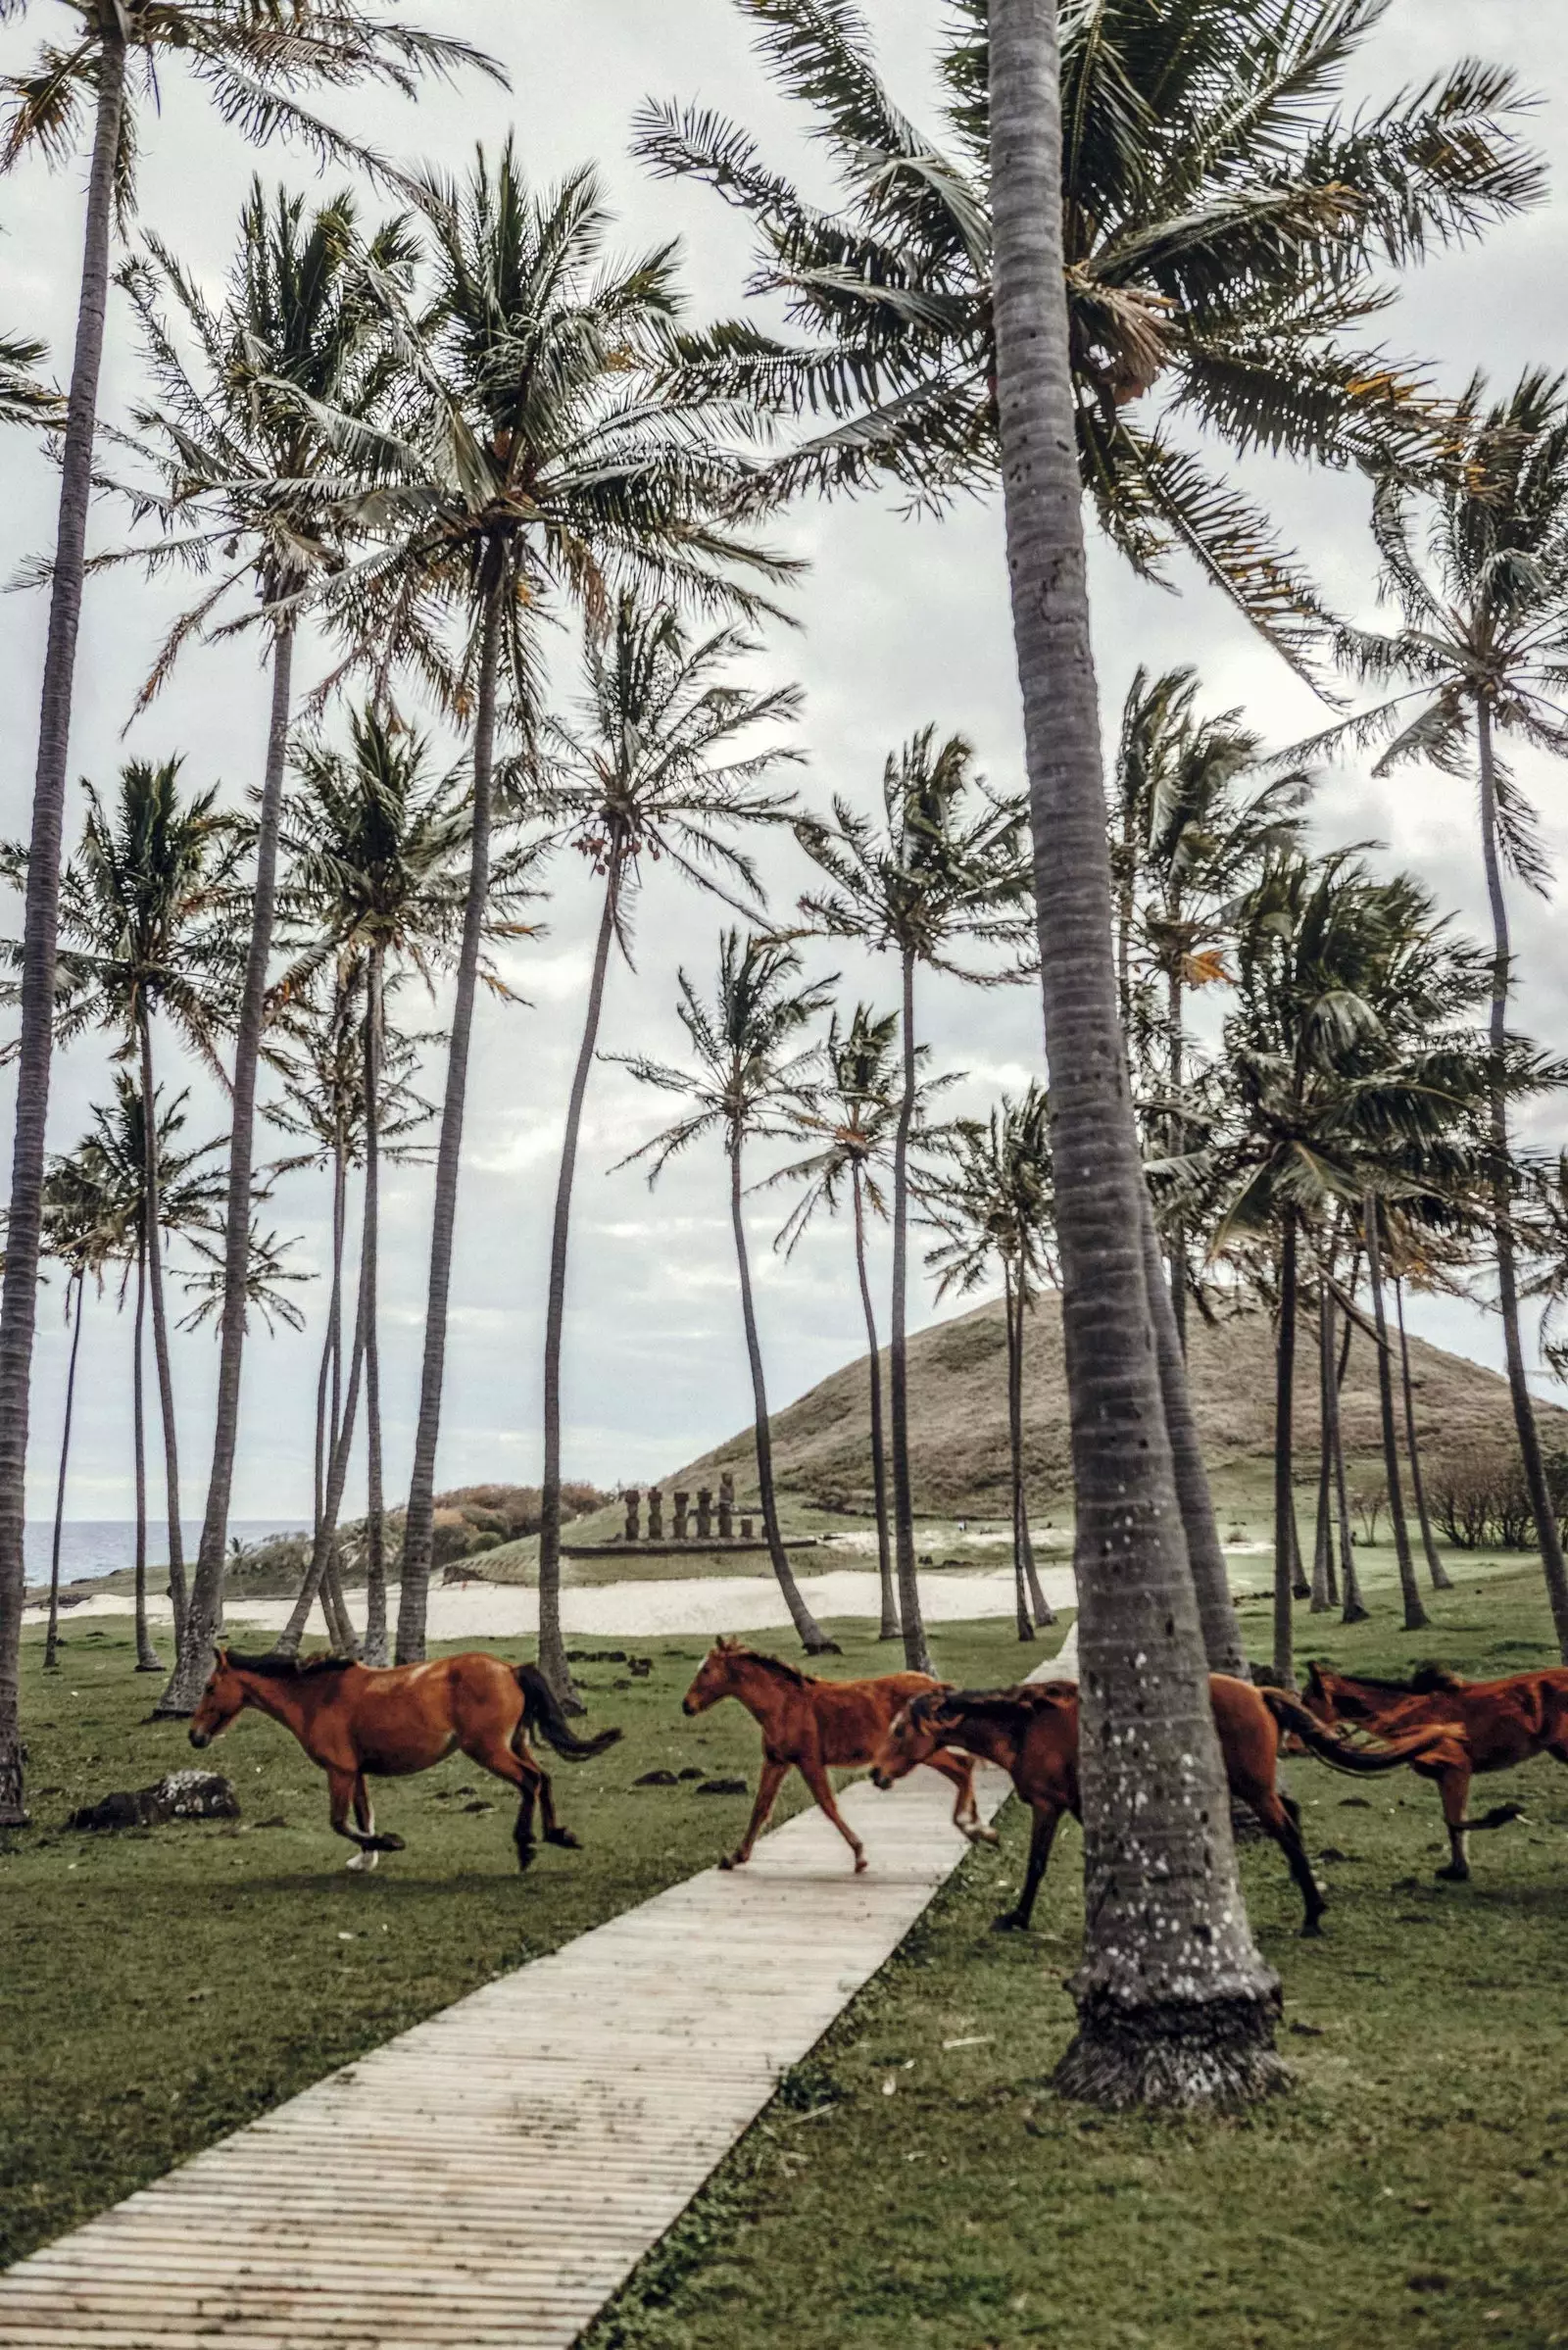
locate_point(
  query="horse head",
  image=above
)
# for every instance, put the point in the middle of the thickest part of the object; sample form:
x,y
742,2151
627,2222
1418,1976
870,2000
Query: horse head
x,y
716,1678
911,1738
221,1700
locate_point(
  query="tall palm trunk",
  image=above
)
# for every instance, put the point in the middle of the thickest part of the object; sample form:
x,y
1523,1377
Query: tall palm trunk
x,y
325,1538
1325,1593
1441,1580
418,1532
1353,1610
916,1654
1285,1558
889,1628
1206,1553
147,1657
205,1612
1044,1615
1021,1591
1547,1532
41,916
151,1191
375,1635
813,1639
51,1639
1415,1615
1174,2003
327,1400
1178,1130
552,1639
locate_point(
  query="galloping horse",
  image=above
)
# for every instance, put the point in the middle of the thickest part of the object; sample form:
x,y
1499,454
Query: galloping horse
x,y
356,1723
1491,1725
812,1726
1032,1733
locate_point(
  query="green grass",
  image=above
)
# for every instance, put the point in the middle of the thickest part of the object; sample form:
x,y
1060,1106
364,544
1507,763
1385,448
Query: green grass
x,y
164,1986
918,2186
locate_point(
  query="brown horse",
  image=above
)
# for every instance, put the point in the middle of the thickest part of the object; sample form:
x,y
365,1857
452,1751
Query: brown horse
x,y
355,1723
1491,1725
1032,1733
814,1726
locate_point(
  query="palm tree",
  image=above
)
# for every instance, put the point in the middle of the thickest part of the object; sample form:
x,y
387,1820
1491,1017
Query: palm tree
x,y
848,1123
1174,2003
1221,254
944,871
250,63
532,461
1475,559
241,479
657,768
84,1229
24,399
995,1207
380,850
145,920
750,1077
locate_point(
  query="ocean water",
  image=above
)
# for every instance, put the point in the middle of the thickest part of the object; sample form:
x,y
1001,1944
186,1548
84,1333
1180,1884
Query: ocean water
x,y
91,1547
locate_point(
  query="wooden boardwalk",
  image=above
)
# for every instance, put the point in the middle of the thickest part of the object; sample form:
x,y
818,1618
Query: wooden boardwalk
x,y
492,2175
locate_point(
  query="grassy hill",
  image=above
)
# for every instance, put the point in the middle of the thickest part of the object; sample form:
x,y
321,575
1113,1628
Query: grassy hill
x,y
959,1430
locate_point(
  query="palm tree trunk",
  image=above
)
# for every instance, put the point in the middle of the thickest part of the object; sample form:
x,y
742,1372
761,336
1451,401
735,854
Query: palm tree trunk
x,y
1044,1615
916,1654
1206,1553
813,1640
51,1639
552,1639
1175,2006
1353,1610
1324,1593
1021,1591
326,1383
147,1657
321,1548
889,1629
375,1637
419,1530
1415,1615
1285,1460
155,1285
204,1615
40,922
1548,1533
1441,1580
1178,1133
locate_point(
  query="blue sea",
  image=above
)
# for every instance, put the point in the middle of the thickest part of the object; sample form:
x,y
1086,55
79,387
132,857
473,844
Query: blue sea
x,y
91,1547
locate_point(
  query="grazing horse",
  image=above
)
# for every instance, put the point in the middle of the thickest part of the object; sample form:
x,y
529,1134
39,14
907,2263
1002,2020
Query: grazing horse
x,y
814,1726
1032,1733
1492,1726
355,1723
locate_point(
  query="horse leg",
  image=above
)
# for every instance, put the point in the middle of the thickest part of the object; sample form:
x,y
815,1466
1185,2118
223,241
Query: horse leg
x,y
960,1769
345,1792
517,1767
1042,1837
821,1787
1280,1817
364,1814
767,1786
1454,1782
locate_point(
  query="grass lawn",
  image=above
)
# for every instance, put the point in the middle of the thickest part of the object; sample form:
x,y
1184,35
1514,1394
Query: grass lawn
x,y
918,2186
164,1986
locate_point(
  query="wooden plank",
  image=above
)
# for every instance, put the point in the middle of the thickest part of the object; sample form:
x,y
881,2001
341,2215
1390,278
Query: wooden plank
x,y
492,2175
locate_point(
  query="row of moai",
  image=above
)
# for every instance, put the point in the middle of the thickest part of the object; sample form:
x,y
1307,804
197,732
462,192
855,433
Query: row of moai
x,y
684,1530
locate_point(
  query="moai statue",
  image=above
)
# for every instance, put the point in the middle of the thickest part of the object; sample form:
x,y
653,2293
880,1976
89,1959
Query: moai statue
x,y
745,1530
726,1507
683,1503
704,1513
634,1502
656,1514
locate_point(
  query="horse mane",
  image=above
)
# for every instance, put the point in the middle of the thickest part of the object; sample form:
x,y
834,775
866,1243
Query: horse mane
x,y
1003,1706
776,1665
288,1668
1422,1682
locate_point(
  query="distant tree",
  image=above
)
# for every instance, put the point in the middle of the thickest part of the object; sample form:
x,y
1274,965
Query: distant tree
x,y
85,1228
752,1072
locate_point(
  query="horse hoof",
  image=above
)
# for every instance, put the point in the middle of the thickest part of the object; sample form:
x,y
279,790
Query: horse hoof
x,y
564,1837
1453,1875
1312,1932
727,1861
859,1864
526,1857
389,1843
1010,1921
985,1836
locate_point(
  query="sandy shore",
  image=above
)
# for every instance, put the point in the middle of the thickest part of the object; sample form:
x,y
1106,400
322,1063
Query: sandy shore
x,y
709,1605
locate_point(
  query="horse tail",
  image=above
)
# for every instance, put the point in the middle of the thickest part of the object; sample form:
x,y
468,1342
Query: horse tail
x,y
1334,1749
541,1710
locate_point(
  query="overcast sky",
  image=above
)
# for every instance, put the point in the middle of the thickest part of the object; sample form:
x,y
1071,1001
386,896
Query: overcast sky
x,y
901,623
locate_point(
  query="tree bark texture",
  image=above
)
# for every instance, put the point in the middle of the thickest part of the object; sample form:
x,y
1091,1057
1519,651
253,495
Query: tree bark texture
x,y
375,1629
1020,1589
1285,1564
1524,1410
1415,1615
1442,1581
916,1653
147,1658
19,1298
205,1612
1175,2006
889,1628
418,1532
552,1639
51,1641
153,1191
1325,1593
